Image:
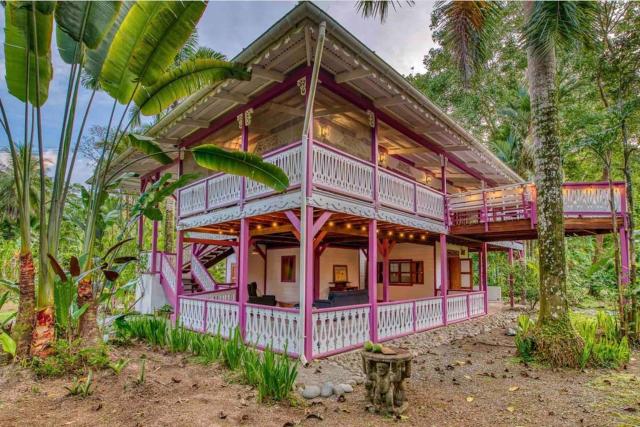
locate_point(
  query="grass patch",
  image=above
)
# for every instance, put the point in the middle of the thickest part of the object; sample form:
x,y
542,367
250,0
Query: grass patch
x,y
621,396
70,357
272,374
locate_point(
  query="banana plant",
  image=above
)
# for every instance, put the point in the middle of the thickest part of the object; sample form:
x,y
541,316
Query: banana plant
x,y
123,48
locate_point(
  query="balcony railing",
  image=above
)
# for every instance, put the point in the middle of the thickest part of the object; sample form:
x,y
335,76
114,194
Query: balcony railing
x,y
332,170
518,201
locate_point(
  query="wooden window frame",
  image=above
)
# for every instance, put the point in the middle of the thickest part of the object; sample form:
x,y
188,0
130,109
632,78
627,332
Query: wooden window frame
x,y
284,260
416,272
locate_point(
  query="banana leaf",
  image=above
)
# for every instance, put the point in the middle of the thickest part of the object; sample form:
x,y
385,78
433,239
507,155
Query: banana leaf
x,y
188,78
241,163
146,145
20,52
100,16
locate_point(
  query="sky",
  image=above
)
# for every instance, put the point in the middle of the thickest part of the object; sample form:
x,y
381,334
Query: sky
x,y
228,27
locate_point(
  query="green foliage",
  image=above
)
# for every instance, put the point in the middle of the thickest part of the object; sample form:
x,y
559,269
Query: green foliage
x,y
604,345
80,388
142,373
118,365
7,344
70,358
278,374
147,145
525,344
273,374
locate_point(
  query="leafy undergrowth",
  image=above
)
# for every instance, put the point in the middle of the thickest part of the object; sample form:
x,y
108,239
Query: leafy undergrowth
x,y
70,358
603,346
622,396
272,374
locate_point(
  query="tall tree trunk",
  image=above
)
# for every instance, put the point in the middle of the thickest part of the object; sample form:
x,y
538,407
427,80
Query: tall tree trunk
x,y
616,249
44,333
556,340
88,328
634,315
23,329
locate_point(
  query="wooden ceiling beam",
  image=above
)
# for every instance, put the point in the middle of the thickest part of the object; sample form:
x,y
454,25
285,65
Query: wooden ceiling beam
x,y
406,150
388,102
194,122
232,96
263,73
358,73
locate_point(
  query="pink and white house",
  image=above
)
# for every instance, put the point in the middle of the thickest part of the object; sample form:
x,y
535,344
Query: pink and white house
x,y
385,227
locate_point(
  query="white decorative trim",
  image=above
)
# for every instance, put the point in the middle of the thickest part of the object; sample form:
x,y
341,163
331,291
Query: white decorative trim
x,y
214,217
508,244
208,236
276,203
372,118
302,85
248,115
411,221
240,119
338,204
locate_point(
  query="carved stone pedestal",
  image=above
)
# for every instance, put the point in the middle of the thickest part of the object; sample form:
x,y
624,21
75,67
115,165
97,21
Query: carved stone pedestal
x,y
385,375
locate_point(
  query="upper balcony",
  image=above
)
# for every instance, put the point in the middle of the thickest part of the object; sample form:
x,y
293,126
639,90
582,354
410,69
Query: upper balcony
x,y
338,179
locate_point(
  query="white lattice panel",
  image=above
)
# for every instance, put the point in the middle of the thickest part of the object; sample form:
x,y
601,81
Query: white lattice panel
x,y
344,174
335,330
192,314
168,271
428,313
590,199
456,308
222,318
275,328
395,319
429,203
192,199
201,274
394,191
476,304
223,190
220,295
289,161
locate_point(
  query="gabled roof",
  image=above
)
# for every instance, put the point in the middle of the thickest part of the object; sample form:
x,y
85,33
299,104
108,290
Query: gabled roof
x,y
289,44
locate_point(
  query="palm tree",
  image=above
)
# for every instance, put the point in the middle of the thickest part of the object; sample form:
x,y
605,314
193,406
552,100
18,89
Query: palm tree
x,y
549,26
125,49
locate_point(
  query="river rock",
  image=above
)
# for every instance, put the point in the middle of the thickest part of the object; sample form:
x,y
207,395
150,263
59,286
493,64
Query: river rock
x,y
311,392
327,390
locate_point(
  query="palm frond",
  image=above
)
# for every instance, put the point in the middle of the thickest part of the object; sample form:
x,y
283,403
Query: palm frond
x,y
467,27
378,8
553,24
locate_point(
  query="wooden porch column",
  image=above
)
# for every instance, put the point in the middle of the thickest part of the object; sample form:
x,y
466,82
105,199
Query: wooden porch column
x,y
483,275
306,280
243,273
444,276
511,300
385,269
372,279
179,287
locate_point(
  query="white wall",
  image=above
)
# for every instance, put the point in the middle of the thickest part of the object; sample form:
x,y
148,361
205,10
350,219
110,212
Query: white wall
x,y
256,269
415,252
450,247
284,291
338,256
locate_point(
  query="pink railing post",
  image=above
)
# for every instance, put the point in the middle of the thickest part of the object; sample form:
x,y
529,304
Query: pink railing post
x,y
444,276
243,273
372,278
483,276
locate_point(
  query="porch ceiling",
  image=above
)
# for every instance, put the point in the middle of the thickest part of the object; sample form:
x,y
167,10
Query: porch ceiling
x,y
289,45
275,230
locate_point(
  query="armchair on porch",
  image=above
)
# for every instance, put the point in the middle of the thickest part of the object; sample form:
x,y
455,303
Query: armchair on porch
x,y
261,300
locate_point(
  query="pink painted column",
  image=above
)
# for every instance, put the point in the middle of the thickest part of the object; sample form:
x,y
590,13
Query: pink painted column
x,y
444,276
372,279
243,273
179,287
511,296
307,281
385,269
483,276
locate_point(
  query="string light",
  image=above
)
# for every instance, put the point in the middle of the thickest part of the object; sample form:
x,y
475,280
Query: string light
x,y
411,236
274,224
390,233
331,223
348,225
423,237
363,228
259,226
401,234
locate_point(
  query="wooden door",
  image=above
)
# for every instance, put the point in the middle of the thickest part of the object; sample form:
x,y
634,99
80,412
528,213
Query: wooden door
x,y
454,273
466,274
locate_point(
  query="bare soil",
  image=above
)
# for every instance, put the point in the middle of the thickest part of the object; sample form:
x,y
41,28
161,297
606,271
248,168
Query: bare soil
x,y
474,381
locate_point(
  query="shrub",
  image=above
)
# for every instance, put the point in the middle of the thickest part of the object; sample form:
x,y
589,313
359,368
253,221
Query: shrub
x,y
604,345
278,374
70,358
525,344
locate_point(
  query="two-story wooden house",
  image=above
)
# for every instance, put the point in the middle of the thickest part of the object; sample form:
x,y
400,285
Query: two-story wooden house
x,y
388,200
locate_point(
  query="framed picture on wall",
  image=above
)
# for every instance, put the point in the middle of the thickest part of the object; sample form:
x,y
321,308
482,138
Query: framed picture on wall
x,y
340,274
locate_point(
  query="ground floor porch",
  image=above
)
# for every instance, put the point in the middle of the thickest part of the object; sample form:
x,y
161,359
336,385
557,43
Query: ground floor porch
x,y
361,279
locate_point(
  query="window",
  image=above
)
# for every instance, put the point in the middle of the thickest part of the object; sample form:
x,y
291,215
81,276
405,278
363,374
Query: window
x,y
404,272
288,268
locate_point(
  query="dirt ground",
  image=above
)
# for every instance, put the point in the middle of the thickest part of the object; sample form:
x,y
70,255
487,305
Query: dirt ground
x,y
475,381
